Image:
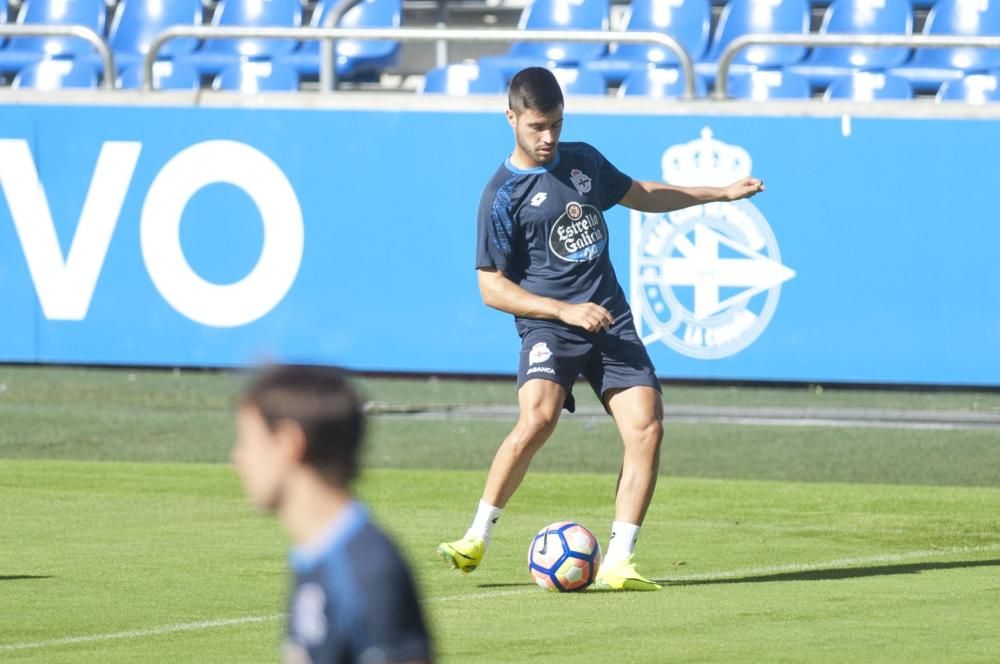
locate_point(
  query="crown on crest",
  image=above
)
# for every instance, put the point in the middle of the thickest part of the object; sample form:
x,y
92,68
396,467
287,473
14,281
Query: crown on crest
x,y
705,161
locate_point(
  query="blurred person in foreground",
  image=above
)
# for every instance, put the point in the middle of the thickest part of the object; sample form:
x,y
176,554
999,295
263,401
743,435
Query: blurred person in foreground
x,y
299,433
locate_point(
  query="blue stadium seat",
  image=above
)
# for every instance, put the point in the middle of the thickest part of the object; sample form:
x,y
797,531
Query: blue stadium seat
x,y
580,82
356,59
932,66
858,17
21,51
663,83
868,86
555,15
167,75
136,23
253,76
465,79
763,85
56,75
687,21
972,89
216,54
741,17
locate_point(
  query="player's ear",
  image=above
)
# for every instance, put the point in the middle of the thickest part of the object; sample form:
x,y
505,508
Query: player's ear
x,y
290,437
511,118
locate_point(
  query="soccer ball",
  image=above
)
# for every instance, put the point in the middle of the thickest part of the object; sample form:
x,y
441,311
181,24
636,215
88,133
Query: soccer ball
x,y
564,556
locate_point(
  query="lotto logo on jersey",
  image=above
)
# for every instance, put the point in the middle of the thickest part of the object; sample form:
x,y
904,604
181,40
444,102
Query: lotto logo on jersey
x,y
580,234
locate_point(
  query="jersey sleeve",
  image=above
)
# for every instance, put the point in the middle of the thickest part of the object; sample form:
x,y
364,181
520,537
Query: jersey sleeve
x,y
612,183
497,229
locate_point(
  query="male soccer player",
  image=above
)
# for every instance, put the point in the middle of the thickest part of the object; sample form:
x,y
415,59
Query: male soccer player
x,y
542,255
299,432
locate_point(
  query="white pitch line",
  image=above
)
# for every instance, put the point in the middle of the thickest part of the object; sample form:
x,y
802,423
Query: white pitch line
x,y
141,633
708,576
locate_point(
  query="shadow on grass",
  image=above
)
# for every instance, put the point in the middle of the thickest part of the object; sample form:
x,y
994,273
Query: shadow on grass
x,y
22,577
505,585
837,573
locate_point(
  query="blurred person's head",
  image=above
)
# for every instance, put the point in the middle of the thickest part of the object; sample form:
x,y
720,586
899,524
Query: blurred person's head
x,y
296,421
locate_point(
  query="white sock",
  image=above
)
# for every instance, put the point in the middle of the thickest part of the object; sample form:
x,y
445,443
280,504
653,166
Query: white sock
x,y
622,544
486,517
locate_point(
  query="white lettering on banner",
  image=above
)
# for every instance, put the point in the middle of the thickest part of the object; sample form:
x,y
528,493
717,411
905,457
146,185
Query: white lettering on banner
x,y
248,299
65,287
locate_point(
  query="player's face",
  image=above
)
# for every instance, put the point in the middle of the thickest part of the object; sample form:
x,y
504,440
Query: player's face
x,y
537,134
260,458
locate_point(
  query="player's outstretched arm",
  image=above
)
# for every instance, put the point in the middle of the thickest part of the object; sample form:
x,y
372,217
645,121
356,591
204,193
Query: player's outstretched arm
x,y
503,294
659,197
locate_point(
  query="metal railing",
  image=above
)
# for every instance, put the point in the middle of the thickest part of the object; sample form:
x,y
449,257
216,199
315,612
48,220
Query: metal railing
x,y
815,41
78,31
328,68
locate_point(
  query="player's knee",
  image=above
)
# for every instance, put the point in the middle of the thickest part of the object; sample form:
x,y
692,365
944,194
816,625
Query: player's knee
x,y
647,434
535,426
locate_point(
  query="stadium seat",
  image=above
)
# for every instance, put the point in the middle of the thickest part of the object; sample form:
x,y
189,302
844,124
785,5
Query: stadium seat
x,y
555,15
741,17
167,75
464,79
972,89
580,82
687,21
216,54
930,67
356,59
56,75
868,86
858,17
764,85
658,83
135,23
21,51
253,76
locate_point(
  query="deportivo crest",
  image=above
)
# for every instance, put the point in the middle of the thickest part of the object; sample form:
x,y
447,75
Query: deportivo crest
x,y
580,180
539,353
580,234
705,281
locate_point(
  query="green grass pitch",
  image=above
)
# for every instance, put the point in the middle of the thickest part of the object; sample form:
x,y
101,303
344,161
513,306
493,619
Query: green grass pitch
x,y
124,537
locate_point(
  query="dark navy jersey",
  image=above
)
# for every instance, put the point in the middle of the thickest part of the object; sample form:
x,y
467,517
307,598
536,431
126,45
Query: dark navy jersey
x,y
354,599
544,228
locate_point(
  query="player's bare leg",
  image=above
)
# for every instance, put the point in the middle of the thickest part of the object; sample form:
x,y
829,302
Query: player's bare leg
x,y
638,412
540,403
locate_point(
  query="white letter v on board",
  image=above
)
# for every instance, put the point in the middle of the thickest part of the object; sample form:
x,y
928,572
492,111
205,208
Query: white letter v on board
x,y
65,286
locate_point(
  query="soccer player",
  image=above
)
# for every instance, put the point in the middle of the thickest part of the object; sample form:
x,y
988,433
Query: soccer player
x,y
542,255
299,433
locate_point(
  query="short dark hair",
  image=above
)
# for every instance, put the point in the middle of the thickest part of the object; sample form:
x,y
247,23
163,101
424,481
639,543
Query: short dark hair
x,y
322,402
534,88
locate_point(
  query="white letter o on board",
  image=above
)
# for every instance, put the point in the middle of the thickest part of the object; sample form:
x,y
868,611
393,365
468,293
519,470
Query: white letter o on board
x,y
254,295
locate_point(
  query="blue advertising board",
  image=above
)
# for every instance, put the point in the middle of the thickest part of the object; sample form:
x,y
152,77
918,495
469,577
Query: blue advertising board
x,y
226,237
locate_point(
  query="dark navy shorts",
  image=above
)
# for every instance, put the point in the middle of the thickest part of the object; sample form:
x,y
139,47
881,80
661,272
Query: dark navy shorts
x,y
608,360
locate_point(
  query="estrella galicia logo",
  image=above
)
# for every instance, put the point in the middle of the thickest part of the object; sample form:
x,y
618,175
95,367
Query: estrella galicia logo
x,y
706,279
580,234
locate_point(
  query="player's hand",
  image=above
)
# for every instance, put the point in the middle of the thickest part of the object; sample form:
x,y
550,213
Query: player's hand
x,y
591,317
744,188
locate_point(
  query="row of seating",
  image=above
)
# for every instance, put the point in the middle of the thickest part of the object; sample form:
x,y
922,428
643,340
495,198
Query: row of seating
x,y
689,22
470,79
262,76
135,23
248,77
